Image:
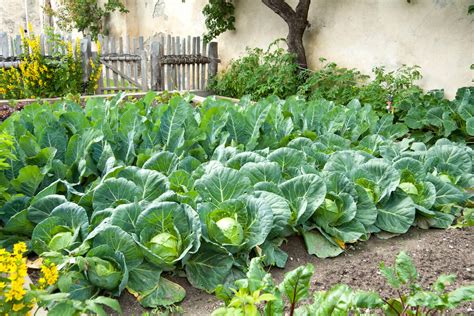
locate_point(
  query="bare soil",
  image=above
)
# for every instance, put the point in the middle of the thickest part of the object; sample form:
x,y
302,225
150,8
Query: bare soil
x,y
435,252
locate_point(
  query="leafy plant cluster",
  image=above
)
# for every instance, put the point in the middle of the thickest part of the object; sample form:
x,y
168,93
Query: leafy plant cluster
x,y
259,74
342,85
257,294
86,16
276,73
120,194
219,18
40,76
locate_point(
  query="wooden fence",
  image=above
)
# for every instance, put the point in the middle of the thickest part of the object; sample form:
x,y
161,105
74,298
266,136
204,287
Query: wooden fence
x,y
133,64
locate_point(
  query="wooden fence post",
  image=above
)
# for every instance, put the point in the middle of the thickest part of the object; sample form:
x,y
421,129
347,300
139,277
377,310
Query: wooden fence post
x,y
86,54
4,45
156,83
214,58
144,69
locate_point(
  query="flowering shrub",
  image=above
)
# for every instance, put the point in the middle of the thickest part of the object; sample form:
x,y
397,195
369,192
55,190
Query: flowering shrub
x,y
15,298
48,76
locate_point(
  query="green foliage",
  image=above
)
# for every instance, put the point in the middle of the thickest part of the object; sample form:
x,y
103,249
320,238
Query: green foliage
x,y
342,85
67,306
333,83
429,115
121,192
6,155
6,146
219,17
413,299
87,16
259,74
258,295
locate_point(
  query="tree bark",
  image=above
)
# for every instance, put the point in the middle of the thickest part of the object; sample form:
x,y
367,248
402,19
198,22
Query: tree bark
x,y
297,21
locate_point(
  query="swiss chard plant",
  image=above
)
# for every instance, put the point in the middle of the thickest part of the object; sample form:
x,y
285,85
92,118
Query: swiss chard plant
x,y
257,294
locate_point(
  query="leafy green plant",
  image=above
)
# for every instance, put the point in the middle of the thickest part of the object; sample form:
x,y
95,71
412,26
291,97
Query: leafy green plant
x,y
259,74
413,299
6,155
258,295
219,17
87,16
66,306
342,85
333,83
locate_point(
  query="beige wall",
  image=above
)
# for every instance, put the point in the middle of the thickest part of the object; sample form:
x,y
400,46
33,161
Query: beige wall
x,y
13,15
437,35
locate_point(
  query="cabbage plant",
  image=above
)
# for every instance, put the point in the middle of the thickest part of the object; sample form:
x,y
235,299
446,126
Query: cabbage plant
x,y
167,232
62,231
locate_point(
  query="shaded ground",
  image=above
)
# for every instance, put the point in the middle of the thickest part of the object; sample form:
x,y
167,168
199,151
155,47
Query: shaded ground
x,y
434,251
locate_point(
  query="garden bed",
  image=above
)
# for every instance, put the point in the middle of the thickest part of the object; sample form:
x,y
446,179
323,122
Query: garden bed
x,y
434,252
156,188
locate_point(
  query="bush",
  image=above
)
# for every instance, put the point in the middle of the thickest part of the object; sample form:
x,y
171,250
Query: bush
x,y
259,74
342,85
333,83
274,72
47,76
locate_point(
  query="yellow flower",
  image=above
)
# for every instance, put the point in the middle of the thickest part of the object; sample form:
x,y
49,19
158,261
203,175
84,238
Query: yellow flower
x,y
9,296
50,274
2,285
20,294
19,248
42,283
18,307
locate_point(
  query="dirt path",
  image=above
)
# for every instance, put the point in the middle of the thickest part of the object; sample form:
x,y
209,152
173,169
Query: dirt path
x,y
434,251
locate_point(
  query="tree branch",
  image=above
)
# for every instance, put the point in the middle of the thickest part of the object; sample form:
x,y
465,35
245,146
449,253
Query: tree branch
x,y
281,8
302,9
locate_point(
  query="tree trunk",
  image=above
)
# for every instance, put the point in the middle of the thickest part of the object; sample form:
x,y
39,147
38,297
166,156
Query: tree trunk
x,y
297,21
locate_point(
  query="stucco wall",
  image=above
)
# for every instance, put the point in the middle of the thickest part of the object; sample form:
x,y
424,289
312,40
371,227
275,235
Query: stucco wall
x,y
13,15
437,35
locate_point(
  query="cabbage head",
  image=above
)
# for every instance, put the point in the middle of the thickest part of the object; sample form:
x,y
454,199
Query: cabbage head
x,y
227,230
237,225
167,232
63,230
166,246
103,273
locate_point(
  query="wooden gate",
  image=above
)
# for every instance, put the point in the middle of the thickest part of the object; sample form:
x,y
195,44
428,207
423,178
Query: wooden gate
x,y
166,63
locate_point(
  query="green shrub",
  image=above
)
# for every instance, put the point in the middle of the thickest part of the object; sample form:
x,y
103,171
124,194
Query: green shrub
x,y
260,74
342,85
333,83
40,76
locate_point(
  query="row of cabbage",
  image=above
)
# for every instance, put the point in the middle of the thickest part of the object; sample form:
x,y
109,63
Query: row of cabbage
x,y
122,192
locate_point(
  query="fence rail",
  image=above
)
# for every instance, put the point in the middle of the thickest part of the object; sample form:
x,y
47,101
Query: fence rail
x,y
135,64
